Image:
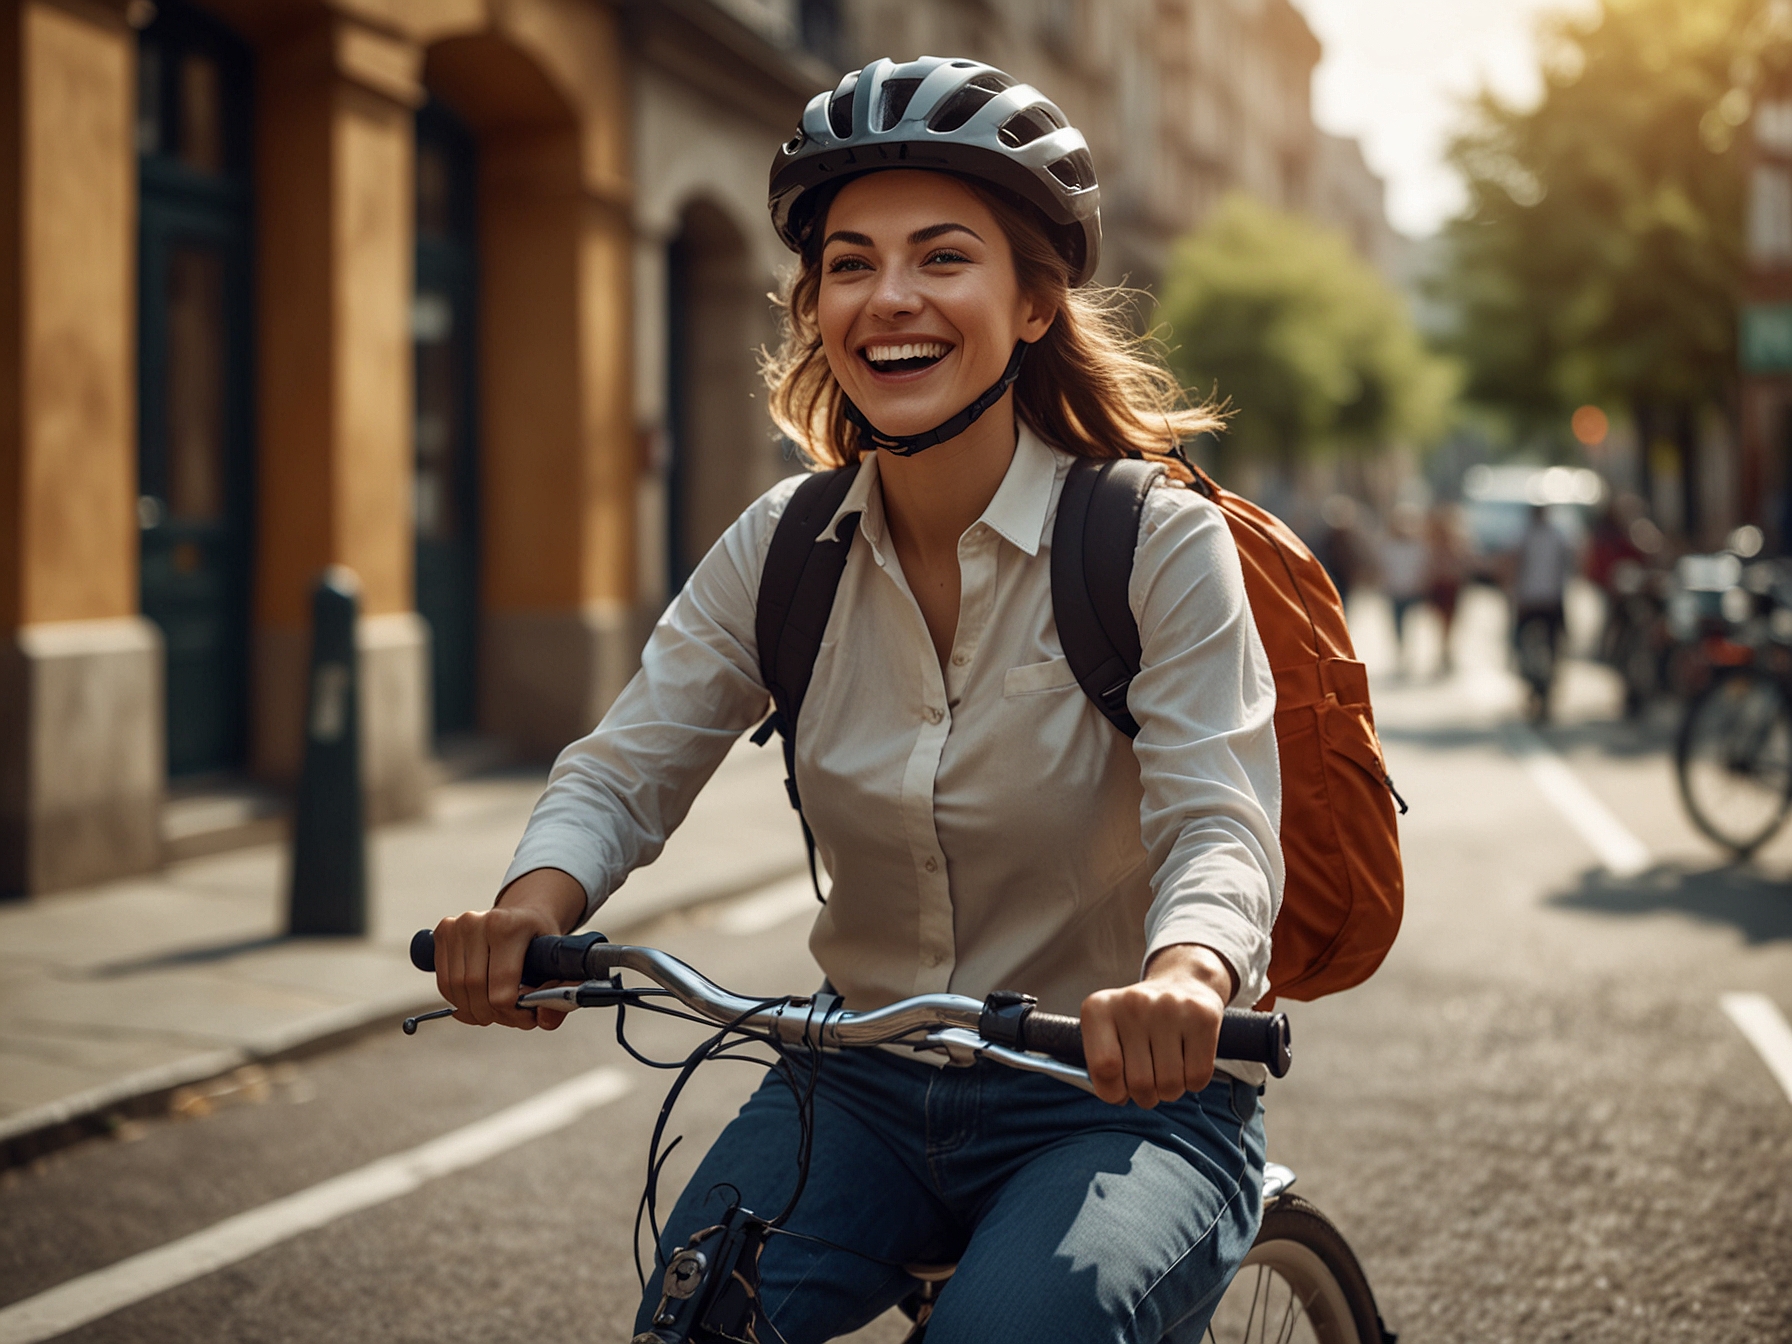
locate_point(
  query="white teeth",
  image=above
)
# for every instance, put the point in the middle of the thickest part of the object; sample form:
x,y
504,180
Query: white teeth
x,y
880,354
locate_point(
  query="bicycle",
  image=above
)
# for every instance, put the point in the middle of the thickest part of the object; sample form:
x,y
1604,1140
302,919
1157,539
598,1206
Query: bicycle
x,y
1733,755
1300,1283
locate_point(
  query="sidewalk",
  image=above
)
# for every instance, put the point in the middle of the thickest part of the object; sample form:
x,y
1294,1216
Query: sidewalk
x,y
112,997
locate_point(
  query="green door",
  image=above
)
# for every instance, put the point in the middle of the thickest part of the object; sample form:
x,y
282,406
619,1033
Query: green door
x,y
194,366
446,482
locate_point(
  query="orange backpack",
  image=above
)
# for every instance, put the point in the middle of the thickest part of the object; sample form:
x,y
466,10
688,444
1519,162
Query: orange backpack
x,y
1342,898
1340,845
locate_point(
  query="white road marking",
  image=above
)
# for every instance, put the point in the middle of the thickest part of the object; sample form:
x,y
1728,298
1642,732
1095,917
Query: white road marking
x,y
768,907
1759,1018
105,1291
1620,852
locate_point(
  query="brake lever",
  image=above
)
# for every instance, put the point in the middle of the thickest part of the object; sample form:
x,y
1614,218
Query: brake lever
x,y
959,1042
410,1023
591,994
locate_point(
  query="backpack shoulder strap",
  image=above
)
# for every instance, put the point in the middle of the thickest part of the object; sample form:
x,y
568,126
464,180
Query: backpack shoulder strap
x,y
1093,539
797,587
796,596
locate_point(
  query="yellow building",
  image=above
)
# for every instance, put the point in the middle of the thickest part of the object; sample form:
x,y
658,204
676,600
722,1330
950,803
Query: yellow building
x,y
293,283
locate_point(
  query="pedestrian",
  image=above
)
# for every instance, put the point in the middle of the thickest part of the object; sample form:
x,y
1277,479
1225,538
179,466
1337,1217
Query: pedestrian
x,y
1339,548
1403,562
984,825
1544,564
1446,566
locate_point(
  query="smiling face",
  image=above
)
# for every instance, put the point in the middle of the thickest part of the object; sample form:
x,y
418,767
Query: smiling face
x,y
919,308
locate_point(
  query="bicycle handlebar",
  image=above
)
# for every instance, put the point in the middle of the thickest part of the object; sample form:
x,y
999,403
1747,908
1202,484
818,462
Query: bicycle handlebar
x,y
1005,1027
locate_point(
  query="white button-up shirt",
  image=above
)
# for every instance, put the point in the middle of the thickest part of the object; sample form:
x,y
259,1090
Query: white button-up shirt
x,y
984,825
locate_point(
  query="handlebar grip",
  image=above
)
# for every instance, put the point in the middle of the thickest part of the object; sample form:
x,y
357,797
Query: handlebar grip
x,y
1261,1038
1053,1034
548,959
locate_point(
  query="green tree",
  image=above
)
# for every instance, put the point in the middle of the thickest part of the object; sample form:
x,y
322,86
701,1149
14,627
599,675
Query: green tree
x,y
1305,344
1601,253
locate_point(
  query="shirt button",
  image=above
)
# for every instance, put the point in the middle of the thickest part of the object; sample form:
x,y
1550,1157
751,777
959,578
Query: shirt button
x,y
934,958
935,714
932,865
960,659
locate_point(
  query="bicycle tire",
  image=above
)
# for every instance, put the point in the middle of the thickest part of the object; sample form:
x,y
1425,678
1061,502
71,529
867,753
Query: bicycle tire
x,y
1733,759
1299,1284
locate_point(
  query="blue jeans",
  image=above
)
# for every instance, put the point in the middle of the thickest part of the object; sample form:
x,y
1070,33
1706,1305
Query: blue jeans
x,y
1069,1218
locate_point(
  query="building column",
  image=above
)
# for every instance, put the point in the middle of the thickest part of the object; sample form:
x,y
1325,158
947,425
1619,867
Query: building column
x,y
81,731
335,123
561,626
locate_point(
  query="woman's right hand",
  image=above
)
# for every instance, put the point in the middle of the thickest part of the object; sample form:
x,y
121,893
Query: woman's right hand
x,y
479,955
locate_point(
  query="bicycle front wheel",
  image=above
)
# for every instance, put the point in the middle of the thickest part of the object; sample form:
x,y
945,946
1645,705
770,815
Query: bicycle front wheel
x,y
1300,1284
1734,760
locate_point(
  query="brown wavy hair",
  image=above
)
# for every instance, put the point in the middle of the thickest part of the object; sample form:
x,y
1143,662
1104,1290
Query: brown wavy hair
x,y
1091,385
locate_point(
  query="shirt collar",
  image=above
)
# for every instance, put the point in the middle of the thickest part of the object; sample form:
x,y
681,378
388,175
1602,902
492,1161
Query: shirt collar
x,y
1017,513
1018,510
866,500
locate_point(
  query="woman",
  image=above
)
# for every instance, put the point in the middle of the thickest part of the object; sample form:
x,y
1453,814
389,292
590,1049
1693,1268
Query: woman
x,y
985,827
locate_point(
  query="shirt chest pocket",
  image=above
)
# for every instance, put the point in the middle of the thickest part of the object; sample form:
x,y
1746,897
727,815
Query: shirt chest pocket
x,y
1052,675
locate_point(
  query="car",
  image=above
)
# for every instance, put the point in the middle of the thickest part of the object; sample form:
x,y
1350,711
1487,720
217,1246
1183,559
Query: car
x,y
1497,501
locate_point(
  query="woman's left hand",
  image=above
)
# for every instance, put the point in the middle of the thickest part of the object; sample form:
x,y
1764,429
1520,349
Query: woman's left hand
x,y
1156,1040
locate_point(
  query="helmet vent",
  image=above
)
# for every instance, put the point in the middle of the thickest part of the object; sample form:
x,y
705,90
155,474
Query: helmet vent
x,y
965,104
840,108
840,116
1023,128
1076,171
898,93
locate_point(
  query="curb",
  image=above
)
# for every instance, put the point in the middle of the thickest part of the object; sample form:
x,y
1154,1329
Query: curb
x,y
98,1111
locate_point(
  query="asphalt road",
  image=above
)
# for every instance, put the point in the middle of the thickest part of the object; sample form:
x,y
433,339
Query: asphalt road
x,y
1535,1124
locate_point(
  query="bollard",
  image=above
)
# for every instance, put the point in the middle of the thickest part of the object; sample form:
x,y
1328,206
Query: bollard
x,y
329,841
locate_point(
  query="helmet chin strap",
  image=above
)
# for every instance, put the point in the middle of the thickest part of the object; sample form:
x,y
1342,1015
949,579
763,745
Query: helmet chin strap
x,y
909,444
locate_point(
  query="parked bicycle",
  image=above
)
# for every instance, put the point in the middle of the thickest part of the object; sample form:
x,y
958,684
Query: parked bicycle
x,y
1733,759
1300,1284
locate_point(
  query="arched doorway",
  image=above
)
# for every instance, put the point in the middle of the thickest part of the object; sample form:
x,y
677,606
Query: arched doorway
x,y
443,335
720,459
195,400
557,449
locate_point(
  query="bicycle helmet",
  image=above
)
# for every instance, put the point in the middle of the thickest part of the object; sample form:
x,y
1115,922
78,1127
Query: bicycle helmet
x,y
945,115
952,116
